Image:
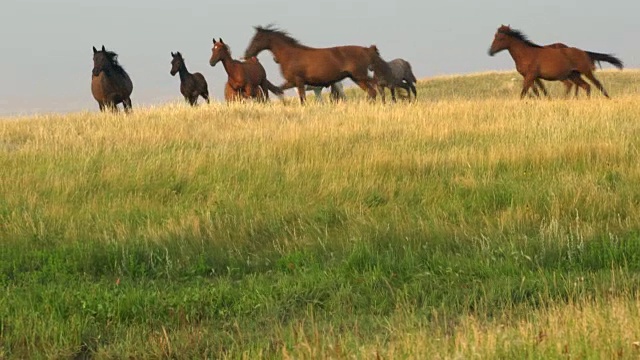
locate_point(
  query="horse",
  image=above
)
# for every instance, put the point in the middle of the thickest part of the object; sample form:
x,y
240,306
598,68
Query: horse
x,y
191,85
302,65
110,83
337,91
248,77
398,74
535,62
568,83
232,95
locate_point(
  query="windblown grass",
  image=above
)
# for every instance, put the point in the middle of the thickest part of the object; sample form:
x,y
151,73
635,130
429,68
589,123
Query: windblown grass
x,y
467,224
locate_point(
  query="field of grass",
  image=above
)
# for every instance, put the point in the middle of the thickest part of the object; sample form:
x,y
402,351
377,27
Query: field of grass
x,y
468,224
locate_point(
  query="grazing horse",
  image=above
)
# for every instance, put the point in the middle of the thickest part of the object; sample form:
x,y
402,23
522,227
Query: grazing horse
x,y
398,74
535,62
303,65
191,85
110,84
248,77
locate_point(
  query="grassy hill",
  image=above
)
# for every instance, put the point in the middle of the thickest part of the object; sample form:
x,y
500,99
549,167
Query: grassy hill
x,y
466,224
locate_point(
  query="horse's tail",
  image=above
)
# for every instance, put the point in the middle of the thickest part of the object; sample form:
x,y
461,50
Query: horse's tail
x,y
274,89
594,56
410,77
378,65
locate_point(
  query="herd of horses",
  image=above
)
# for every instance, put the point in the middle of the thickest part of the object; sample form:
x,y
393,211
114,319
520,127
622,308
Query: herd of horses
x,y
309,68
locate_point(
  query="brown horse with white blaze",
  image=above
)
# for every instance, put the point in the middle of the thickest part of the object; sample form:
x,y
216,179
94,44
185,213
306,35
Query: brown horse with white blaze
x,y
535,62
303,65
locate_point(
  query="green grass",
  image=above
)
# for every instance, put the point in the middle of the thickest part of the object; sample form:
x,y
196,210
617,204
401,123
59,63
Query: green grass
x,y
463,225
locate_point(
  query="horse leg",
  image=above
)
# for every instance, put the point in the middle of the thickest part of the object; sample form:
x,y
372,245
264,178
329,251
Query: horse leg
x,y
264,92
407,87
205,96
541,86
381,92
317,91
367,84
567,88
126,104
597,83
393,93
534,88
101,106
301,92
248,91
335,93
577,79
526,84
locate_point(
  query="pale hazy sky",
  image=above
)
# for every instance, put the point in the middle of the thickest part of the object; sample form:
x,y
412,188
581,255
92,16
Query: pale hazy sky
x,y
46,55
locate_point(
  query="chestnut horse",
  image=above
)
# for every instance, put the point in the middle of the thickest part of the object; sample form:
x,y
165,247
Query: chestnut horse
x,y
303,65
110,84
568,83
535,62
248,77
191,85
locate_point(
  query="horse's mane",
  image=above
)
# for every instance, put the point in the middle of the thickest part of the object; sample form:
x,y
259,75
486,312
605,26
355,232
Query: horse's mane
x,y
518,35
113,59
271,29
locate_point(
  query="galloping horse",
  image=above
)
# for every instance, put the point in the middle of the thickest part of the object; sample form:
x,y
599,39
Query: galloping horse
x,y
191,85
568,84
337,89
303,65
398,74
248,77
110,84
535,62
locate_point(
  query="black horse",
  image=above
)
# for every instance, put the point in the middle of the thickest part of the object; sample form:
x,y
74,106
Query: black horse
x,y
191,85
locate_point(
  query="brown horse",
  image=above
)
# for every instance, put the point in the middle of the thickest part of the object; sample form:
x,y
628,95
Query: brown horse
x,y
568,83
110,84
191,85
535,62
303,65
232,95
248,77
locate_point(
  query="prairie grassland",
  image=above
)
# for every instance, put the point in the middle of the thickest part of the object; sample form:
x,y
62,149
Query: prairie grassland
x,y
467,224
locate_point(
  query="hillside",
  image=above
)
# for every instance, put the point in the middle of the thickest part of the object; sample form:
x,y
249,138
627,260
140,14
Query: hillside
x,y
467,224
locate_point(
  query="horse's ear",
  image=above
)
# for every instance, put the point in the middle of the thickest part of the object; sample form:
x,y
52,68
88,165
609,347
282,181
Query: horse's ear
x,y
220,39
214,40
95,50
103,49
172,54
178,54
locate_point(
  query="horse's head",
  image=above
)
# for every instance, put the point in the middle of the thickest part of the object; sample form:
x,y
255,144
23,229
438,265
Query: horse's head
x,y
102,59
176,63
501,40
218,51
261,41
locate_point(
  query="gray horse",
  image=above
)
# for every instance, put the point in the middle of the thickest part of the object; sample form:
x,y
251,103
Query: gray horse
x,y
337,91
398,74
